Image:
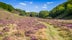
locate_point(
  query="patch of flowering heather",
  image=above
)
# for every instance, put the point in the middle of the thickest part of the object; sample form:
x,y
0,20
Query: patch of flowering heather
x,y
5,22
69,25
6,38
5,29
34,38
59,23
1,34
29,24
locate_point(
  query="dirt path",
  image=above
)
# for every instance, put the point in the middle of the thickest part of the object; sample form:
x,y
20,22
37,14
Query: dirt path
x,y
52,33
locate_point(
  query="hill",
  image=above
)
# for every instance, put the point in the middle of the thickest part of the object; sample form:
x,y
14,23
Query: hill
x,y
63,11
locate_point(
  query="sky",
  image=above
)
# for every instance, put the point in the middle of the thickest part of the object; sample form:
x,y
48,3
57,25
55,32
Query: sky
x,y
34,5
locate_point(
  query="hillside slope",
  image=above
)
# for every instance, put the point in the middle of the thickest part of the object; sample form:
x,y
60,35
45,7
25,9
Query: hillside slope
x,y
15,27
5,14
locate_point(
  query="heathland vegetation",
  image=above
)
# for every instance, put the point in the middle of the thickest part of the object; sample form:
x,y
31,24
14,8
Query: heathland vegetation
x,y
17,24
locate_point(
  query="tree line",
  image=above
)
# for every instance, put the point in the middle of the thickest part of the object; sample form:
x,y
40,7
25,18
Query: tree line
x,y
62,11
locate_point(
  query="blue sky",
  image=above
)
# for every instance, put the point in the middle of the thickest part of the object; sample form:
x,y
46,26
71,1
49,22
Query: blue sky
x,y
34,5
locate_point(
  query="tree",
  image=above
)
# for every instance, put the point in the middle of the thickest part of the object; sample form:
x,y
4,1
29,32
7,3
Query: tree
x,y
3,5
27,14
21,12
33,14
6,6
62,11
10,8
43,14
57,11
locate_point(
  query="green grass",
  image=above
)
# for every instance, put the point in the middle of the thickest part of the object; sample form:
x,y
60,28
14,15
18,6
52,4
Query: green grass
x,y
51,32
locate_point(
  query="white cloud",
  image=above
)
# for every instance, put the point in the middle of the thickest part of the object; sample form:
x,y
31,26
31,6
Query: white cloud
x,y
50,2
31,2
24,4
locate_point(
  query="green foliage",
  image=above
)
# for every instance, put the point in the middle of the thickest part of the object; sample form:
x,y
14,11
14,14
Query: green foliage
x,y
6,6
69,0
33,14
43,14
22,12
10,8
57,11
27,14
62,10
